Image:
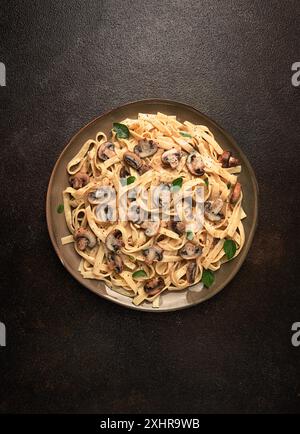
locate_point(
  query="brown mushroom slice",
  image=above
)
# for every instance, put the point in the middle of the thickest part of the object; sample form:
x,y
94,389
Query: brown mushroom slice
x,y
106,151
105,213
236,193
151,227
124,173
114,241
114,262
132,160
152,254
101,195
191,272
195,164
79,180
190,251
212,210
84,238
178,227
135,213
154,286
161,196
228,160
144,168
145,148
171,158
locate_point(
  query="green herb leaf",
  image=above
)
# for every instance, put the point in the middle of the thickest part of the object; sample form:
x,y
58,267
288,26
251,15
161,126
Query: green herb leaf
x,y
229,248
190,235
208,278
60,208
138,274
130,180
185,134
131,258
176,184
229,185
121,130
206,182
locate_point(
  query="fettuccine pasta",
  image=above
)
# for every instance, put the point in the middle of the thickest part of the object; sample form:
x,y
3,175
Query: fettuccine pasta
x,y
155,206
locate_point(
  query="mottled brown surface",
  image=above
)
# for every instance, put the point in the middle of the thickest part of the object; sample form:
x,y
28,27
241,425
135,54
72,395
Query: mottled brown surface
x,y
67,349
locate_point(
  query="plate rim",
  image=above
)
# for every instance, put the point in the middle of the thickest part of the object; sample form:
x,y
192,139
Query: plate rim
x,y
244,252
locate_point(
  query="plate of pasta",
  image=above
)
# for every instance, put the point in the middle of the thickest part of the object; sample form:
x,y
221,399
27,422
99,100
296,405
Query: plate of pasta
x,y
153,206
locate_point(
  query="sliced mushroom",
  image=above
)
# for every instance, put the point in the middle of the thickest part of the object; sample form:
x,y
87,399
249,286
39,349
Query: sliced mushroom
x,y
190,251
84,238
114,262
135,162
135,214
161,195
178,227
101,195
144,168
152,254
195,164
154,286
212,210
114,241
124,172
236,193
105,213
191,272
106,151
145,148
151,227
171,158
79,180
227,160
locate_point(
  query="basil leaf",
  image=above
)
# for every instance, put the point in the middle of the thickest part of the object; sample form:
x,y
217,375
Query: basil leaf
x,y
60,208
139,273
206,182
229,248
185,134
121,130
176,184
208,278
190,235
130,180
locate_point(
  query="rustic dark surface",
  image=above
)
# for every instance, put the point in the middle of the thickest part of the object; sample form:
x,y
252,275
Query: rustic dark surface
x,y
70,351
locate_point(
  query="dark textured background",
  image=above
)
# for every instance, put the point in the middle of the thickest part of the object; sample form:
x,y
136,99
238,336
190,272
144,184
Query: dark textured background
x,y
70,351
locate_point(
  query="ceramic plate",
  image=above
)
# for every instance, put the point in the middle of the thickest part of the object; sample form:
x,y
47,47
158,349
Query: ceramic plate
x,y
59,180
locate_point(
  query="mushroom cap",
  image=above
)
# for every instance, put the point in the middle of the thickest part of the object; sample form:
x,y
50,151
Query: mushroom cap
x,y
132,160
84,238
195,164
154,286
224,158
190,251
102,194
106,151
105,213
154,253
135,213
178,227
79,180
191,271
114,262
151,227
114,240
212,210
145,148
171,157
236,193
